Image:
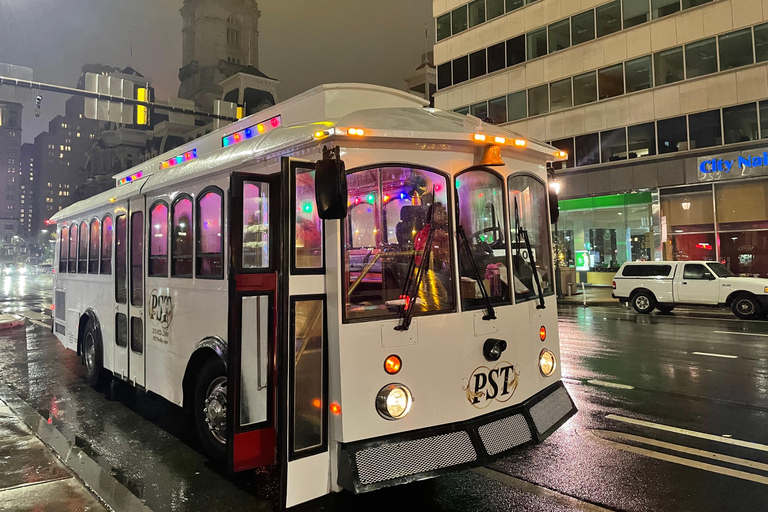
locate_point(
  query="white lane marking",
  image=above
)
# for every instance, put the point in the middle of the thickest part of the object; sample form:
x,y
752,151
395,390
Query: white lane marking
x,y
563,499
609,384
725,356
742,333
683,461
619,436
570,380
692,433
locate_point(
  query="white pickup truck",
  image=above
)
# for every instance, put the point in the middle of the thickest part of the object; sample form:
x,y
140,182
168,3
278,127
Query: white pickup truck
x,y
665,284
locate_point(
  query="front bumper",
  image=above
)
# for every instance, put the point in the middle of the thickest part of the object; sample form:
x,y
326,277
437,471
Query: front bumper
x,y
392,460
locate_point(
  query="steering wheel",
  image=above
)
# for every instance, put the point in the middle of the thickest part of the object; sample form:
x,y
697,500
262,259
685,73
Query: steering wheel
x,y
495,229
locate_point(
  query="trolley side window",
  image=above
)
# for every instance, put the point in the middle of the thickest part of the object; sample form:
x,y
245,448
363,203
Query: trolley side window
x,y
158,241
481,215
93,255
181,254
308,225
121,259
72,266
393,211
255,225
528,211
210,246
82,255
106,245
63,249
137,258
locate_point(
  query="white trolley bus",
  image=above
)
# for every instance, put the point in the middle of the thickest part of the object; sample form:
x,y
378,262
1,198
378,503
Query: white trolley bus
x,y
350,286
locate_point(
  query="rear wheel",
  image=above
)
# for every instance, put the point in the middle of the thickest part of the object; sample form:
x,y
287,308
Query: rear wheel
x,y
211,408
92,355
746,307
664,308
643,302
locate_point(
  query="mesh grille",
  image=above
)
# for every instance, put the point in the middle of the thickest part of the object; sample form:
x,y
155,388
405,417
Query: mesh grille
x,y
398,460
61,304
549,411
504,434
61,329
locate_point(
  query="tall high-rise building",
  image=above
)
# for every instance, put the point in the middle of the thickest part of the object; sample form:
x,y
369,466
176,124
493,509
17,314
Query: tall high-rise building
x,y
28,215
661,105
10,162
220,38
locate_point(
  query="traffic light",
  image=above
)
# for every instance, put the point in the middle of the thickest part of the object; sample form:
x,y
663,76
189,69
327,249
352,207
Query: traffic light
x,y
142,112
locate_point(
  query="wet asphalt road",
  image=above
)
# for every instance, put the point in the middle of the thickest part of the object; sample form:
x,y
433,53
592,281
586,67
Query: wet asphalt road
x,y
673,416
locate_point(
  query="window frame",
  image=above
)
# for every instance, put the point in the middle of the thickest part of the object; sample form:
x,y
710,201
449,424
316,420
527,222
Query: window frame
x,y
294,269
91,260
171,216
63,263
111,245
150,212
198,254
116,269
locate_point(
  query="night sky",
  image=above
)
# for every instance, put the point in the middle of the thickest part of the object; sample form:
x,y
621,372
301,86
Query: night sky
x,y
303,43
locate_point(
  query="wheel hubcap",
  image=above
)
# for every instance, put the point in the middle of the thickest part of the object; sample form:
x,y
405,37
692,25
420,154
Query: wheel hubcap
x,y
90,352
642,302
215,409
745,307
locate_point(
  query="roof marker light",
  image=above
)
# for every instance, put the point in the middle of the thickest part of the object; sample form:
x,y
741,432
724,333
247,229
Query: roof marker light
x,y
499,140
180,159
356,131
249,132
260,128
519,142
480,137
561,154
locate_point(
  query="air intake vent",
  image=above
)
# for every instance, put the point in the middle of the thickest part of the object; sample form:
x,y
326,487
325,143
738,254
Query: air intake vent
x,y
60,329
60,303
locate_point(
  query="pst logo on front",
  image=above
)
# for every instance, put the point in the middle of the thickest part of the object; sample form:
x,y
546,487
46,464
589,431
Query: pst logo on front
x,y
488,384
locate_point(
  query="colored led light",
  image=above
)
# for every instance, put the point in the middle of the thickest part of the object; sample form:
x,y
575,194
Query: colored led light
x,y
248,133
260,128
237,137
543,333
335,408
499,140
225,141
371,198
480,137
307,207
128,178
393,364
519,142
275,121
402,195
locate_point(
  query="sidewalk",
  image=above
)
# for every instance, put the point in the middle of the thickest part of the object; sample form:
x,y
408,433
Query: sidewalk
x,y
596,296
32,477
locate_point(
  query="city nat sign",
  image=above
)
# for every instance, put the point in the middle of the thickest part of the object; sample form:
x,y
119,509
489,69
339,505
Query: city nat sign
x,y
741,162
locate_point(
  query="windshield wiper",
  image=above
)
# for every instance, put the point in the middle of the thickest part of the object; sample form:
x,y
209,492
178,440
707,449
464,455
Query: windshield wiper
x,y
523,233
413,282
490,314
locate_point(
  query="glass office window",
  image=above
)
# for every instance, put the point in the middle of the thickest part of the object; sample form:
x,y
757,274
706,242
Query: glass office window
x,y
537,43
494,8
560,35
668,66
735,49
638,73
476,12
567,146
479,110
517,107
705,130
463,111
497,110
672,135
513,4
687,4
763,119
583,27
444,78
761,42
587,149
635,12
560,95
585,88
459,20
740,123
538,102
610,81
516,50
701,58
641,140
496,57
741,205
661,8
613,145
461,69
443,26
608,18
477,65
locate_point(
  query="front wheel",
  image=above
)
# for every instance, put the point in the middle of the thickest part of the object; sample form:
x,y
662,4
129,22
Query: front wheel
x,y
643,302
211,408
746,307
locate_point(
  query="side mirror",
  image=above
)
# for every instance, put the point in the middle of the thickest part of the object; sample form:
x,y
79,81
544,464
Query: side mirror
x,y
554,206
331,187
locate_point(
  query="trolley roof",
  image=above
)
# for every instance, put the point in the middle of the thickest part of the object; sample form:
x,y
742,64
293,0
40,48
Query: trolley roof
x,y
323,113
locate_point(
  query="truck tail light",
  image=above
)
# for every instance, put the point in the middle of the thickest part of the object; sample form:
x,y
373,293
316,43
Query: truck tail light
x,y
614,285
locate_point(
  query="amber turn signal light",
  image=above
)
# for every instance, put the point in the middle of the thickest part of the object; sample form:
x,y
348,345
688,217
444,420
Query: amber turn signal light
x,y
543,333
393,364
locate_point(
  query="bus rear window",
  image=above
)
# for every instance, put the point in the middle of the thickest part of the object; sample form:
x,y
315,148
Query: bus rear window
x,y
391,213
646,270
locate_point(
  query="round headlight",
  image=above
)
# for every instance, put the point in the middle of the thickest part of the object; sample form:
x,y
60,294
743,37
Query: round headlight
x,y
547,363
394,401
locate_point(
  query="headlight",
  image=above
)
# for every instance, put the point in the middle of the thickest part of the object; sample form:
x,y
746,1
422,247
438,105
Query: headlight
x,y
394,401
547,363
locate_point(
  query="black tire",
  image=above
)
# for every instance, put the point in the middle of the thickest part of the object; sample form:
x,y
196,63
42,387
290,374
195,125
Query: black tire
x,y
746,307
664,308
209,385
643,302
93,355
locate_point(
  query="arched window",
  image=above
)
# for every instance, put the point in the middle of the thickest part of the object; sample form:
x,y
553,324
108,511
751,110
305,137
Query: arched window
x,y
106,245
72,267
63,249
158,245
82,255
93,255
210,247
181,252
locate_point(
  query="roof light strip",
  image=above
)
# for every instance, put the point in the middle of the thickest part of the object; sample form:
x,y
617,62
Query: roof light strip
x,y
184,157
133,177
252,131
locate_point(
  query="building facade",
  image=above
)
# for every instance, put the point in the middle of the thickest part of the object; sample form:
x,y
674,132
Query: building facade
x,y
10,176
29,219
661,105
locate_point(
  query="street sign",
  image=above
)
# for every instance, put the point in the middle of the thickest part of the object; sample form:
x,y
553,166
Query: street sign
x,y
112,111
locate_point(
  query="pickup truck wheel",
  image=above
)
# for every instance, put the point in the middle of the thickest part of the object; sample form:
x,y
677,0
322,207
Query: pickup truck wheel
x,y
643,302
664,308
746,307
